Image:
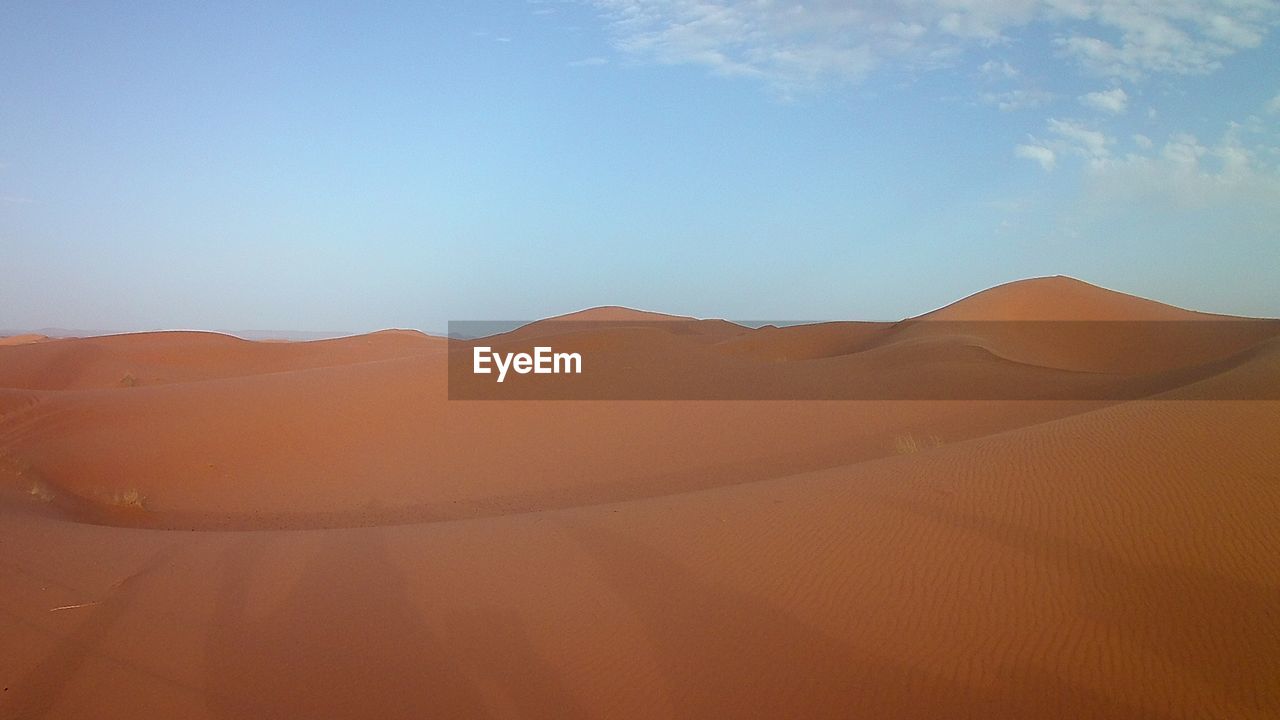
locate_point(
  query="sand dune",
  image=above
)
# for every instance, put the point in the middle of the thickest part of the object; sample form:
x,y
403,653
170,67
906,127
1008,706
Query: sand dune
x,y
200,526
23,339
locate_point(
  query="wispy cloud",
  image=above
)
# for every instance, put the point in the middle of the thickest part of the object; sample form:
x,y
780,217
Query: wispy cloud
x,y
1185,173
1114,101
1245,157
1037,153
1066,137
1081,139
796,47
792,46
998,69
490,36
588,62
806,45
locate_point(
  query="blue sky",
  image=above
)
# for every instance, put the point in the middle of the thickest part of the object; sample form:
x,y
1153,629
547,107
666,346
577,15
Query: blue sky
x,y
352,166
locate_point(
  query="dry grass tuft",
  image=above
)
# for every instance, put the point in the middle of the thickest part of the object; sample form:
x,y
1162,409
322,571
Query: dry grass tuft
x,y
26,475
128,380
910,443
129,499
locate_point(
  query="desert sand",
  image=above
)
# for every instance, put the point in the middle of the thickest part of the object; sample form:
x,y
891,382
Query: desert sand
x,y
194,525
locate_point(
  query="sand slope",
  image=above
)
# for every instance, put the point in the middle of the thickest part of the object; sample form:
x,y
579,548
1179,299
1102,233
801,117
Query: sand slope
x,y
314,530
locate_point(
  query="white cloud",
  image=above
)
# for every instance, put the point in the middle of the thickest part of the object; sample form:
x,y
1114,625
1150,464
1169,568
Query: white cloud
x,y
1067,138
1155,36
1187,174
1114,101
806,45
1081,140
1183,150
1000,68
588,62
787,44
1233,32
1038,153
1240,156
1273,106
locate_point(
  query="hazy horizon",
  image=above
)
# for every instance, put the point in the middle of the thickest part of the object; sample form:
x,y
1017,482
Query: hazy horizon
x,y
301,168
492,325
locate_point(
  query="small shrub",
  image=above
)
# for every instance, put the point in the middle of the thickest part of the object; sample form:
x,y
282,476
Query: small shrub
x,y
129,499
40,491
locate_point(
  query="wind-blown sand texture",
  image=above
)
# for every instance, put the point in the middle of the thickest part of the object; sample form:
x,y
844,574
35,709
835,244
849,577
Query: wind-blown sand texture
x,y
198,526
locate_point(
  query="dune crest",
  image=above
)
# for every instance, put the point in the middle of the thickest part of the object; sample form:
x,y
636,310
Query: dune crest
x,y
616,313
1058,297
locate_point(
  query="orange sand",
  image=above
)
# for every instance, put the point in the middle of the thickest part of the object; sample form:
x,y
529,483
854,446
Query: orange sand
x,y
197,526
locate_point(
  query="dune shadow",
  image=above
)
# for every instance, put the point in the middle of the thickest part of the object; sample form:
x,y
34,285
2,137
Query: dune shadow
x,y
531,686
347,642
